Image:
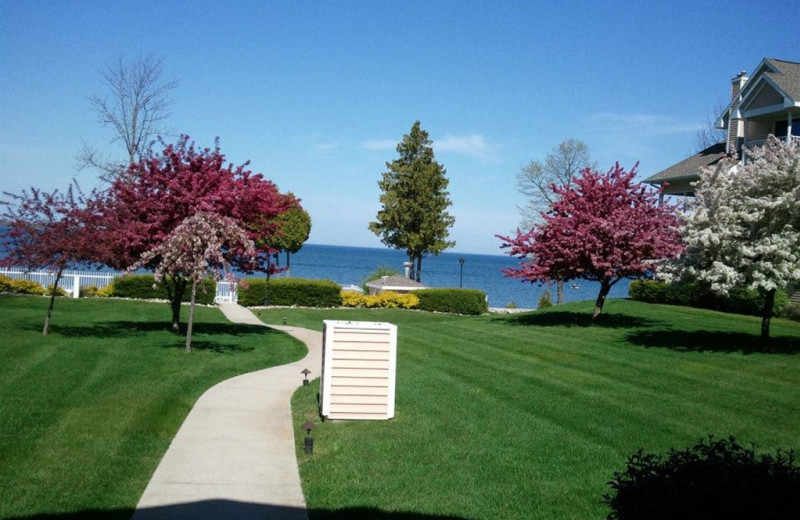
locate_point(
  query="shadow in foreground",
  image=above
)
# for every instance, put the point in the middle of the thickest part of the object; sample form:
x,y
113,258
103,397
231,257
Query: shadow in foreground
x,y
233,510
576,319
714,341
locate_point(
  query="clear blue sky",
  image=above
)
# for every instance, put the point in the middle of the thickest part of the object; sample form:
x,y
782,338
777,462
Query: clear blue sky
x,y
317,94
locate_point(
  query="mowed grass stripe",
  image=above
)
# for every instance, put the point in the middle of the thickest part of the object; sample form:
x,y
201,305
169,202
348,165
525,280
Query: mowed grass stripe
x,y
87,412
540,410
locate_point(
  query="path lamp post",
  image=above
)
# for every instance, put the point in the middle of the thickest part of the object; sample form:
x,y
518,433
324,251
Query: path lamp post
x,y
461,275
308,442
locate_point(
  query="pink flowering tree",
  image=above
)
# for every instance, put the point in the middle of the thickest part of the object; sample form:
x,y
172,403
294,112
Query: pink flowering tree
x,y
202,245
48,231
142,208
601,227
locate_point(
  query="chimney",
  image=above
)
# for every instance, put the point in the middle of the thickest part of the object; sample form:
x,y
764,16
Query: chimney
x,y
735,123
407,269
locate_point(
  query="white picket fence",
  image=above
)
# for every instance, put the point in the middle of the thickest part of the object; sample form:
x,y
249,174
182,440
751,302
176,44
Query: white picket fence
x,y
72,281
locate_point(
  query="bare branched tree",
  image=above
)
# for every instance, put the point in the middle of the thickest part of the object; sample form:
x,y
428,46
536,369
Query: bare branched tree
x,y
708,134
135,109
535,182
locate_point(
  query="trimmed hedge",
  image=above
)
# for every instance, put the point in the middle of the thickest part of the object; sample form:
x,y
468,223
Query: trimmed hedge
x,y
290,291
738,301
455,301
140,287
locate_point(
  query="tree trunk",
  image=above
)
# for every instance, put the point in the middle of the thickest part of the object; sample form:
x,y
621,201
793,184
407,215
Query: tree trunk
x,y
288,265
769,304
605,287
191,317
419,268
559,292
176,296
46,328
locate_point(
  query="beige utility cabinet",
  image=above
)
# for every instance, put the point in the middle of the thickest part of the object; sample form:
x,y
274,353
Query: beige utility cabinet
x,y
359,365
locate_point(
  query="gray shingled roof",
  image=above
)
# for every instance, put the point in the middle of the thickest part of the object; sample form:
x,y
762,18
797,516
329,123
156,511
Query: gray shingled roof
x,y
394,281
788,79
689,168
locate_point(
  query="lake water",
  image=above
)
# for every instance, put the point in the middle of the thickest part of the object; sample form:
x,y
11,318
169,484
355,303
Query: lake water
x,y
351,265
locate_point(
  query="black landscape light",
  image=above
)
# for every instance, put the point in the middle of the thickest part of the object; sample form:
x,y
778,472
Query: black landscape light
x,y
308,443
461,276
305,373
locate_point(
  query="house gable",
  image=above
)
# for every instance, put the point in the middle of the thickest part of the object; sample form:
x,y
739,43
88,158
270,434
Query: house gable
x,y
766,103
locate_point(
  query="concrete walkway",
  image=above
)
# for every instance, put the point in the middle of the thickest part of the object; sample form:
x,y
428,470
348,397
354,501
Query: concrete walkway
x,y
233,457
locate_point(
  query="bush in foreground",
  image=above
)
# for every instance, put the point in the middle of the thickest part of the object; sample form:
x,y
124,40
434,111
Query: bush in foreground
x,y
289,292
455,301
712,479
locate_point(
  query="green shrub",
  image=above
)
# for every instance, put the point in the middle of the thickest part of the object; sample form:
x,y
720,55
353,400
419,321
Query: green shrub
x,y
713,479
455,301
545,300
140,287
60,291
738,301
792,311
648,291
25,287
105,292
88,291
290,291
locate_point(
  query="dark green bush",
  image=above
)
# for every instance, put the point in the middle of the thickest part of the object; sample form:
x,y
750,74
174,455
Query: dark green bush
x,y
739,301
713,479
140,287
290,291
456,301
649,291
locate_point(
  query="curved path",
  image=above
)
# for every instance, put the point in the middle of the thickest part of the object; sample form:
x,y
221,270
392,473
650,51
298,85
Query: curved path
x,y
234,455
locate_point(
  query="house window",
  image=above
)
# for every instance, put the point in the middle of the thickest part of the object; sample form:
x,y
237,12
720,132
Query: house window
x,y
781,127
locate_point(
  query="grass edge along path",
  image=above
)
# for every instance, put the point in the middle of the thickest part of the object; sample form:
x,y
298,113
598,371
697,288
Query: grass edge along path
x,y
528,416
87,412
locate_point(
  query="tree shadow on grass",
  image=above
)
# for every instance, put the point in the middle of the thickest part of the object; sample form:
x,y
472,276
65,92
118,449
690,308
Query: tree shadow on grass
x,y
575,319
234,510
210,346
714,341
127,328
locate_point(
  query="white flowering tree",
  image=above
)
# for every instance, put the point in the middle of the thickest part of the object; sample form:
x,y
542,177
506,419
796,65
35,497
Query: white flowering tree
x,y
744,229
203,244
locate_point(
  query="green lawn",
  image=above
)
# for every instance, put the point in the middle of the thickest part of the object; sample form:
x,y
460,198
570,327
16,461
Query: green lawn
x,y
528,416
87,412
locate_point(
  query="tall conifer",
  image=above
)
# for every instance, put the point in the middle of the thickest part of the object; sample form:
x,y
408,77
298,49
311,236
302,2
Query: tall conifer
x,y
414,197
